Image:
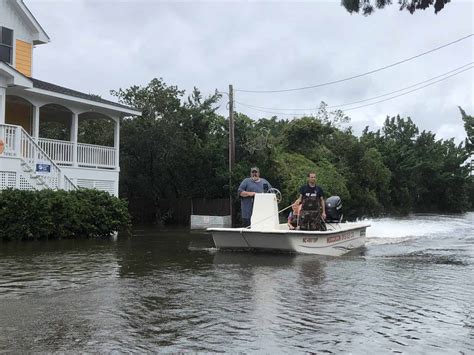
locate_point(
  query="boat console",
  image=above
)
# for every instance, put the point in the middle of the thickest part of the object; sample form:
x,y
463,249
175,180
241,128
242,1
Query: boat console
x,y
265,212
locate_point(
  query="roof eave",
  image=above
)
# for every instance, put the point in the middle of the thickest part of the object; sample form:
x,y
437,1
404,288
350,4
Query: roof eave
x,y
13,77
39,39
80,100
41,36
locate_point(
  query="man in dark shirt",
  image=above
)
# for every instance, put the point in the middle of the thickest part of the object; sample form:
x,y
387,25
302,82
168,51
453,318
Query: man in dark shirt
x,y
312,194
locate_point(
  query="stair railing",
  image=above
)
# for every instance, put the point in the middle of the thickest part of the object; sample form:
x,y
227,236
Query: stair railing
x,y
19,143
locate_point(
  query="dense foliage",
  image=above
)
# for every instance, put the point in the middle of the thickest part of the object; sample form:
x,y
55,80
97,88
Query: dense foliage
x,y
367,7
180,150
174,149
49,214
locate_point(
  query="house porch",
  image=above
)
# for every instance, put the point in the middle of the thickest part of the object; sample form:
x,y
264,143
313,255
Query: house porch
x,y
42,122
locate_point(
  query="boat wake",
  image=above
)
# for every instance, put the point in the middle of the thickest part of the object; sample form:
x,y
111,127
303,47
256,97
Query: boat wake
x,y
210,250
403,230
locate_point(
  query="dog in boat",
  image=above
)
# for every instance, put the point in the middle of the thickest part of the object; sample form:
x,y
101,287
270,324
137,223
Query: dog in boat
x,y
310,218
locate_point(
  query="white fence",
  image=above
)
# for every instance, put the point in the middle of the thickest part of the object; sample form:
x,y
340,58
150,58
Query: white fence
x,y
203,222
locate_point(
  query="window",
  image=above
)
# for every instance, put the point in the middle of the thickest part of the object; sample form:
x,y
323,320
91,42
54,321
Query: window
x,y
6,45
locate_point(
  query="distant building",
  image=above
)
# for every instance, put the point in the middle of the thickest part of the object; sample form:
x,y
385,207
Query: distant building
x,y
27,160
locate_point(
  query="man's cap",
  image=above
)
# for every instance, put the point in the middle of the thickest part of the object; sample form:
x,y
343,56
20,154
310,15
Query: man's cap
x,y
255,169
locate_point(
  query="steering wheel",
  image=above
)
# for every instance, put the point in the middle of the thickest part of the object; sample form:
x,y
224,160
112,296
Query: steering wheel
x,y
276,192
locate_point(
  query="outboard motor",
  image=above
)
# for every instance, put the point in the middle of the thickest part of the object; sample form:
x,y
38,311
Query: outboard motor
x,y
333,209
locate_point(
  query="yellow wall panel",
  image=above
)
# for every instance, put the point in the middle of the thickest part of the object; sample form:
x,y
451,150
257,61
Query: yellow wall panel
x,y
23,55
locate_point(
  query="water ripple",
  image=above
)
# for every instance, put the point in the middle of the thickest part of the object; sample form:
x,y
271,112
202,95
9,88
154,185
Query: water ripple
x,y
155,293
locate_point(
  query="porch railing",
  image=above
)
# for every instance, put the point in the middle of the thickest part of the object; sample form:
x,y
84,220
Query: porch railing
x,y
96,156
60,151
88,155
20,144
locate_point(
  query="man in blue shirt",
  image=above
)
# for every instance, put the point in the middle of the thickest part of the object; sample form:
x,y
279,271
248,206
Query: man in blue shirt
x,y
247,190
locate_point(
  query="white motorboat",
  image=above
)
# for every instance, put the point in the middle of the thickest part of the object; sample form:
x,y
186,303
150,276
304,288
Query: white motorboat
x,y
266,233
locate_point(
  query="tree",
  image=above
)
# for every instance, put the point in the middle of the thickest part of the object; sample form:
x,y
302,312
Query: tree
x,y
306,134
469,128
469,143
455,177
178,148
173,150
96,130
334,118
54,130
367,7
396,146
427,175
370,184
292,170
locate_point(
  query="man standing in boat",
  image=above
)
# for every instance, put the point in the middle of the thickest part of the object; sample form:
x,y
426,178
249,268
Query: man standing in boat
x,y
247,190
313,209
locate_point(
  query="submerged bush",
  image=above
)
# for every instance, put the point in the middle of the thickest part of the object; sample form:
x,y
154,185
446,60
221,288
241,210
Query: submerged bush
x,y
49,214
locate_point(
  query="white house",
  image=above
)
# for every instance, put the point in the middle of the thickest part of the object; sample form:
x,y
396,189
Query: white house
x,y
27,160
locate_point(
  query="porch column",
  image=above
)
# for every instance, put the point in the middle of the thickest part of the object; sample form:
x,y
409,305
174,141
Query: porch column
x,y
117,142
74,131
36,122
3,94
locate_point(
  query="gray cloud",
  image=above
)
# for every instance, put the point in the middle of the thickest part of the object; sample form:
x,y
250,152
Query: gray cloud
x,y
101,45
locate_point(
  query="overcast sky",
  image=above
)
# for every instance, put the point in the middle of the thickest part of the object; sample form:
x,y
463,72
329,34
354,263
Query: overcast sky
x,y
97,46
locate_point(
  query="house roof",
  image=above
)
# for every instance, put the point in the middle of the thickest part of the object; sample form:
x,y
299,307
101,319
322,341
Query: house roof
x,y
69,92
13,77
40,34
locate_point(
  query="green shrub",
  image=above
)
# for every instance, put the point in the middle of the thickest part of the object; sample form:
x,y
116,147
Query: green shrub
x,y
49,214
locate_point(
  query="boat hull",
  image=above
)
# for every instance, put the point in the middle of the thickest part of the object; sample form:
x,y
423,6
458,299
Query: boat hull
x,y
338,240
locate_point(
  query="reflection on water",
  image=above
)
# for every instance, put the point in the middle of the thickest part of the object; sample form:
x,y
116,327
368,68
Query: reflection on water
x,y
171,291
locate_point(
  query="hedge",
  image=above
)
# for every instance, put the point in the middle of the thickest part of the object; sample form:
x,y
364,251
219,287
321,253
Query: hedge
x,y
50,214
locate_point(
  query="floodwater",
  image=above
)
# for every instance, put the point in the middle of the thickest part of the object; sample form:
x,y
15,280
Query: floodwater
x,y
410,291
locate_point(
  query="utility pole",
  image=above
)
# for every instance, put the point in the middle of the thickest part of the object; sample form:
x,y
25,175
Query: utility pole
x,y
231,147
231,129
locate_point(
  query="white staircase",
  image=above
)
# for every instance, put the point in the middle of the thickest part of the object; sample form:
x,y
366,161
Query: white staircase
x,y
35,180
19,160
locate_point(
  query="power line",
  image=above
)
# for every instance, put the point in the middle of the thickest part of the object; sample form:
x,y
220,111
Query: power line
x,y
272,112
408,92
359,101
359,75
408,87
372,103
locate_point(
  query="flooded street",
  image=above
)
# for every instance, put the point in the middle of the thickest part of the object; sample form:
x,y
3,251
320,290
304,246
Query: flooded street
x,y
411,291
